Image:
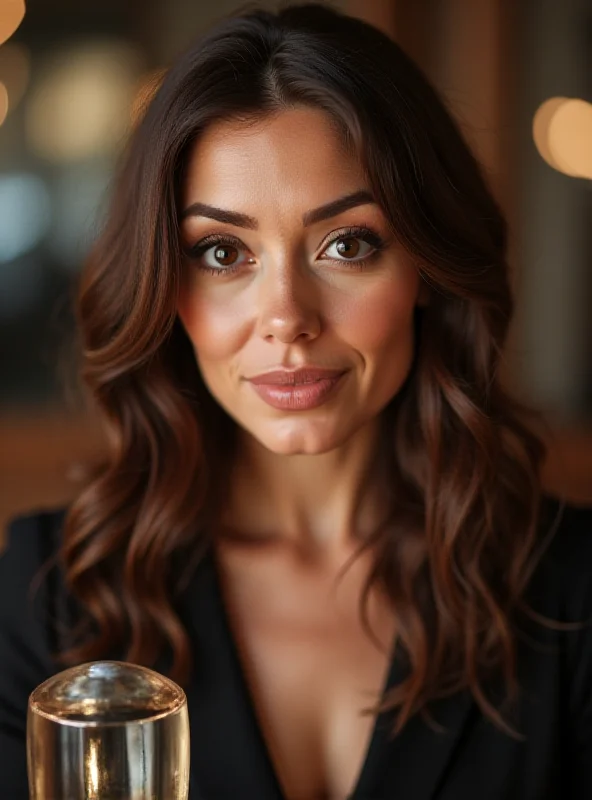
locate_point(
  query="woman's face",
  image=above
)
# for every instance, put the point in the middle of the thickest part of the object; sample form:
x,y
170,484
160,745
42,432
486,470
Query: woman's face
x,y
276,278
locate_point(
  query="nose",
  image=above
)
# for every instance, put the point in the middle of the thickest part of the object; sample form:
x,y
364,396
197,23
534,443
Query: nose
x,y
288,304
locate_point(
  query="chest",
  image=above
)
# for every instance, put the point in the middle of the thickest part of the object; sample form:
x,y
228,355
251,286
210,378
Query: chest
x,y
311,670
284,750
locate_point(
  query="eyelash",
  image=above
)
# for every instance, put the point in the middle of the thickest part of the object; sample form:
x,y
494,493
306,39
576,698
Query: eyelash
x,y
364,233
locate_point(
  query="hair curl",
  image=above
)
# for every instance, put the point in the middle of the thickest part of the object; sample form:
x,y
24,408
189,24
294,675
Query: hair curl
x,y
459,546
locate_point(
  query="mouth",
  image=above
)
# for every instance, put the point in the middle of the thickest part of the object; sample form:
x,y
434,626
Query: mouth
x,y
290,392
303,375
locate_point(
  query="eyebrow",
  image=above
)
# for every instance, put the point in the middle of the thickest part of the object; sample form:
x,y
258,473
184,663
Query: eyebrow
x,y
332,209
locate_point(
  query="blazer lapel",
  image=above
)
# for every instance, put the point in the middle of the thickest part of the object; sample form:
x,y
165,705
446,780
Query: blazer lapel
x,y
229,759
413,765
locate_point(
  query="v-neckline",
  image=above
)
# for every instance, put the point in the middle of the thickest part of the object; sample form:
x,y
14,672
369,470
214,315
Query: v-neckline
x,y
379,734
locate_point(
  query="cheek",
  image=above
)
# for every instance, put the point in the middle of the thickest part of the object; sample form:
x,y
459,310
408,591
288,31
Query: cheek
x,y
214,328
381,318
374,319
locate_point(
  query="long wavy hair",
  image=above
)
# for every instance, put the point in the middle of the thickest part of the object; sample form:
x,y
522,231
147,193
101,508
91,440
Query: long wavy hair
x,y
460,543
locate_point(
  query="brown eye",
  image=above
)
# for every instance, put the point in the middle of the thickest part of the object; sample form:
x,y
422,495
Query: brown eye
x,y
225,255
353,247
348,246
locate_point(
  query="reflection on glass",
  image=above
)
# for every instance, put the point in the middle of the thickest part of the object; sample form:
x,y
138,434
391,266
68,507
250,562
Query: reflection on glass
x,y
108,730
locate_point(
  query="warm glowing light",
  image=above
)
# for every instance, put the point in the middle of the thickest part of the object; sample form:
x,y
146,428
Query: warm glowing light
x,y
93,770
540,128
146,90
11,16
3,102
570,138
80,106
15,64
562,131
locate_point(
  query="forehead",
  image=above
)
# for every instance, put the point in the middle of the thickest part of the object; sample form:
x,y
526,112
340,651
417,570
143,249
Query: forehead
x,y
295,155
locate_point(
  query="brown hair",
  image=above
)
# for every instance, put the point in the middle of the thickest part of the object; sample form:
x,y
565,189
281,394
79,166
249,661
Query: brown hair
x,y
459,546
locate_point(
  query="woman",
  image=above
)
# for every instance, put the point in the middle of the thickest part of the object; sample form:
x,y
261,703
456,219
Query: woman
x,y
321,513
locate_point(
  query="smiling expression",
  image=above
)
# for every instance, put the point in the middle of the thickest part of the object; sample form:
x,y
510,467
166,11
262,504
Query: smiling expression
x,y
290,262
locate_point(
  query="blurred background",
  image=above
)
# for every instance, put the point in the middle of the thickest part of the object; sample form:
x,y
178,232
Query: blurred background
x,y
518,77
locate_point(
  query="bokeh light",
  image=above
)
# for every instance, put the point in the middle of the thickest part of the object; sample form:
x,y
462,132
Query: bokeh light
x,y
79,109
3,102
540,128
11,16
24,214
570,137
562,132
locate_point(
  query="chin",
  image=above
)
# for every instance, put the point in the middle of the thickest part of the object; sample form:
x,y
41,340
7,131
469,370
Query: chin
x,y
292,438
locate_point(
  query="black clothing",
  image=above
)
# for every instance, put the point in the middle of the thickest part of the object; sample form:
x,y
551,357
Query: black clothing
x,y
471,760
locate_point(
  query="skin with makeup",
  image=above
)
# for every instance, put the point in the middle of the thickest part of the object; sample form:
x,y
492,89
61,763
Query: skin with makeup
x,y
291,266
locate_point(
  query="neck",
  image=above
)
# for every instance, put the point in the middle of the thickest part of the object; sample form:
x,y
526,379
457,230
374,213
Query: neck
x,y
322,502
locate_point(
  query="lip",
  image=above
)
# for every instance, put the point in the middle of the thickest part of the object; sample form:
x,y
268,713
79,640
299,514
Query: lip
x,y
298,390
295,377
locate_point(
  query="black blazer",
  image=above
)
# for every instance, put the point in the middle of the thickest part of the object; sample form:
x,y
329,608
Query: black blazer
x,y
471,760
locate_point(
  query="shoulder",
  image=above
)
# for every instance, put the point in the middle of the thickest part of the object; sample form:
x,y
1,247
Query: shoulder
x,y
564,573
561,591
573,525
26,642
30,540
29,586
565,593
33,533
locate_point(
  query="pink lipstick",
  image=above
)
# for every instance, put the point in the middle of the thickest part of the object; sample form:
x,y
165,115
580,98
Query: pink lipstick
x,y
297,390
